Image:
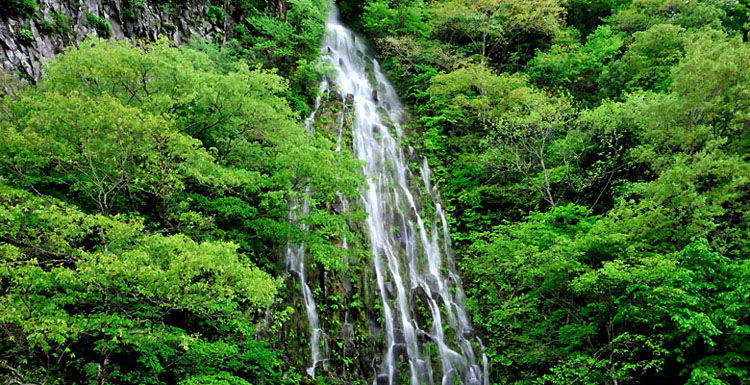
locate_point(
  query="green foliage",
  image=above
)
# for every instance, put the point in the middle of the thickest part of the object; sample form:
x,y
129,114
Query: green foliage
x,y
286,38
640,15
131,8
722,65
111,302
380,19
574,67
25,36
592,155
474,95
583,287
62,25
490,28
587,15
18,9
647,63
161,177
619,279
100,24
216,15
277,40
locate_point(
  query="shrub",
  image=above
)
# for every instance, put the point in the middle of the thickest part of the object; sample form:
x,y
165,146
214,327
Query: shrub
x,y
25,36
18,9
100,24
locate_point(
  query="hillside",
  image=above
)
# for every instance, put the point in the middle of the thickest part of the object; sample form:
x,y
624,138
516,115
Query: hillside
x,y
379,192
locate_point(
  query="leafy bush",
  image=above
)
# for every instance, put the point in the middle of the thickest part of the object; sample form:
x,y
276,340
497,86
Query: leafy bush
x,y
215,15
25,36
18,9
100,24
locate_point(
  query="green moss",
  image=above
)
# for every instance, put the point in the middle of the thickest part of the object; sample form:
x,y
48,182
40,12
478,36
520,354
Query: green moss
x,y
130,9
18,9
216,15
100,24
46,26
60,24
169,27
25,36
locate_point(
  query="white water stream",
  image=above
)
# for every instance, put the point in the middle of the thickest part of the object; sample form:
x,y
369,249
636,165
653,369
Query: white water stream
x,y
413,260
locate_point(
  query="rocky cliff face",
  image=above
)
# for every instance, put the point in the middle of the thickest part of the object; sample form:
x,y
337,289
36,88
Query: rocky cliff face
x,y
29,39
347,302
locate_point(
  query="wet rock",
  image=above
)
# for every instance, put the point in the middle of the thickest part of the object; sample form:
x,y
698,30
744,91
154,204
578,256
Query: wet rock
x,y
389,288
432,284
412,157
347,285
349,99
402,242
399,350
372,323
375,95
398,334
338,207
347,331
451,377
425,337
382,379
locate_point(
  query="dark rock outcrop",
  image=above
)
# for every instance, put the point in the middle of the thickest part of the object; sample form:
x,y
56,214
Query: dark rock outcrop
x,y
28,43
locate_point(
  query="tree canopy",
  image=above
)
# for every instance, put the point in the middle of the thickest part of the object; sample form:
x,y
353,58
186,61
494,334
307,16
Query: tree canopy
x,y
144,195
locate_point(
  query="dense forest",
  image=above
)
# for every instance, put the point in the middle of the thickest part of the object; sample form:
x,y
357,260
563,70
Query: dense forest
x,y
593,157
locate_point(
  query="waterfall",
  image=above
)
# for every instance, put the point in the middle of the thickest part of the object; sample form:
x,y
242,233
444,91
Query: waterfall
x,y
295,263
409,238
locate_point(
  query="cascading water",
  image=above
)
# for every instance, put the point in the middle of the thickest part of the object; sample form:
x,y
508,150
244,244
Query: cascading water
x,y
295,263
410,257
426,331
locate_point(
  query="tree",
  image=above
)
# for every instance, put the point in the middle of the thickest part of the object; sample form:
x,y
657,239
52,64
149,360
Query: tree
x,y
111,156
100,299
491,28
573,67
648,61
640,15
217,150
380,18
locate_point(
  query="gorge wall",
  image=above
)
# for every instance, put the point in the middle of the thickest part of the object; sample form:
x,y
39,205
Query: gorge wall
x,y
31,34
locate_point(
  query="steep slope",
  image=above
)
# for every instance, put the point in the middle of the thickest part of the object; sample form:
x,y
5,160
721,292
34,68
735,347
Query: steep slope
x,y
31,35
